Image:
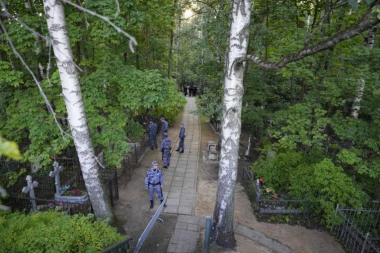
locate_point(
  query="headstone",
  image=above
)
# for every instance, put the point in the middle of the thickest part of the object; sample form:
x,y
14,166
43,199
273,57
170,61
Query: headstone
x,y
36,165
57,169
30,189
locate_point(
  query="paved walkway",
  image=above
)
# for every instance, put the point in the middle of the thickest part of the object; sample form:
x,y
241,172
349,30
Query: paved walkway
x,y
181,182
181,176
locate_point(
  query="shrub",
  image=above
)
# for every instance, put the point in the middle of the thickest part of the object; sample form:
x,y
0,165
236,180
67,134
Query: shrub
x,y
302,175
53,232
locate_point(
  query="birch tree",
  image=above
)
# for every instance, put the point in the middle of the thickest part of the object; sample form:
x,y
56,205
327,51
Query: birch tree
x,y
231,124
232,103
370,41
72,94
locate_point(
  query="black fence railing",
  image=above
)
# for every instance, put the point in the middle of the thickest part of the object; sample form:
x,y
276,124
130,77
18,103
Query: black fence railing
x,y
120,247
132,159
268,208
110,184
358,229
24,204
217,125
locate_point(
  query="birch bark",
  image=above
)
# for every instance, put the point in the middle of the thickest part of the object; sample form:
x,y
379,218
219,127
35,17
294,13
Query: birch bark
x,y
361,83
231,123
72,95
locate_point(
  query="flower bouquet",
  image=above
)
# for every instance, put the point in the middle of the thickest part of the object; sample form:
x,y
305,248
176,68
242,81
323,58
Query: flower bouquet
x,y
72,195
54,207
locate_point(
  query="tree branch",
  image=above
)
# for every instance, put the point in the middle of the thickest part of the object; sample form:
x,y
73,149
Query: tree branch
x,y
48,105
349,33
132,40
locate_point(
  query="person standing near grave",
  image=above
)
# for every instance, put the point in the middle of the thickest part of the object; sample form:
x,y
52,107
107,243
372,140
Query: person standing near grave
x,y
185,90
166,146
181,135
152,132
154,181
164,127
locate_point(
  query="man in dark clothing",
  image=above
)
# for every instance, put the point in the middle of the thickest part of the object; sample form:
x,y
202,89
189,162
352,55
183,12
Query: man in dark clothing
x,y
181,135
164,127
185,90
152,132
166,146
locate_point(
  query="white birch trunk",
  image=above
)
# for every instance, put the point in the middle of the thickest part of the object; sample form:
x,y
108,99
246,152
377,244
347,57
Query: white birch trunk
x,y
72,94
231,124
361,83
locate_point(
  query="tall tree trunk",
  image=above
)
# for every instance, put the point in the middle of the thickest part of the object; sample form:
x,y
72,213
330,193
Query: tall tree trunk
x,y
370,40
171,42
170,51
147,48
72,94
231,124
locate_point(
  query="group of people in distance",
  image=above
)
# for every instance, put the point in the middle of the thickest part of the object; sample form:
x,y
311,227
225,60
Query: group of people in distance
x,y
190,90
154,180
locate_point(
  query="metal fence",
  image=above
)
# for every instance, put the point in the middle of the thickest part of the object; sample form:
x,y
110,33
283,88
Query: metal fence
x,y
132,159
216,124
120,247
272,209
24,204
358,229
110,184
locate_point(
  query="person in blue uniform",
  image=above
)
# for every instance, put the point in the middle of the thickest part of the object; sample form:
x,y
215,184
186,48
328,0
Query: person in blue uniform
x,y
152,132
154,181
181,135
164,127
166,146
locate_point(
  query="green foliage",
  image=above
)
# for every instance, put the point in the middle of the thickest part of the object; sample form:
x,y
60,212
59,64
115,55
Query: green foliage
x,y
8,77
309,175
303,124
210,104
9,149
11,178
53,232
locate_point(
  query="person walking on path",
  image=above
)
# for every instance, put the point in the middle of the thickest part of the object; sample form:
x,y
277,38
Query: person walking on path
x,y
152,132
154,181
166,146
181,135
165,127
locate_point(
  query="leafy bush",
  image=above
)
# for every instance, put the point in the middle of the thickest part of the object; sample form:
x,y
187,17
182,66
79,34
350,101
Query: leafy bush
x,y
54,232
302,175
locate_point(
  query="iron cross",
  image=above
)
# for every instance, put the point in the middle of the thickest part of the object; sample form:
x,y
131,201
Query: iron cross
x,y
57,169
30,189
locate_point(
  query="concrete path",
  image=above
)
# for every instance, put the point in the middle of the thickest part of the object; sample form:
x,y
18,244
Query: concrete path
x,y
181,182
181,176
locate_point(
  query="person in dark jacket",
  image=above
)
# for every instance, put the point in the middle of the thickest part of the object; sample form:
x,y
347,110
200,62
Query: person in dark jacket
x,y
154,181
166,146
164,127
152,132
181,135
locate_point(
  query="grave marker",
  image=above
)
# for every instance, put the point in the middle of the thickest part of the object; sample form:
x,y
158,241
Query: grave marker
x,y
30,189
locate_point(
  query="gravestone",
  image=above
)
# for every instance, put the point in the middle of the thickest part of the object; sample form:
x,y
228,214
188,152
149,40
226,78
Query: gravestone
x,y
58,195
30,189
57,169
211,155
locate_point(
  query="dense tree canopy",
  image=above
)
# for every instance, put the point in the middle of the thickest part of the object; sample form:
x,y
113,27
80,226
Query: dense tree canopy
x,y
117,85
